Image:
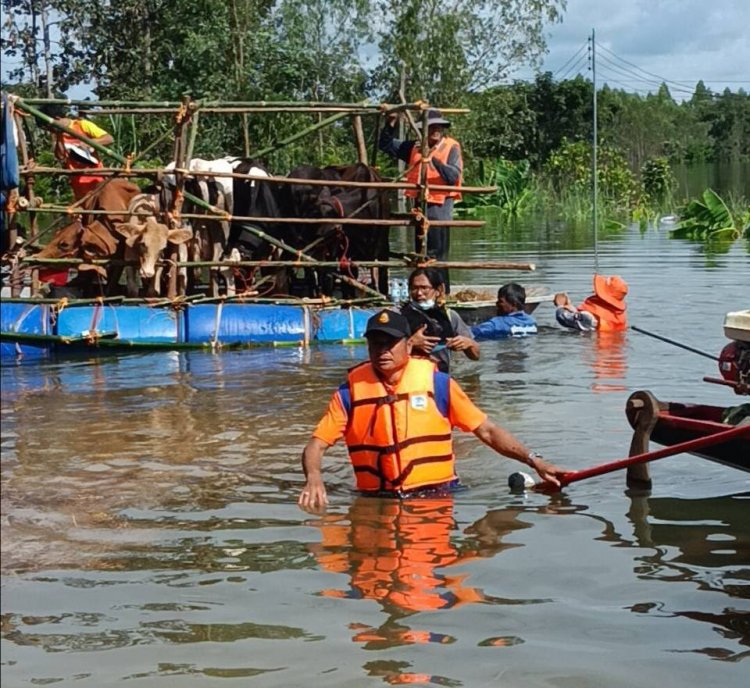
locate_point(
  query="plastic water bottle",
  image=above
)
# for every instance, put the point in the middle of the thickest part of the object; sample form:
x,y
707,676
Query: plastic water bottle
x,y
394,290
404,290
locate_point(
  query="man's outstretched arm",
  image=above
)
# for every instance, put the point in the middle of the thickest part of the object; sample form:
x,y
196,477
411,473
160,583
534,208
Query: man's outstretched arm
x,y
313,495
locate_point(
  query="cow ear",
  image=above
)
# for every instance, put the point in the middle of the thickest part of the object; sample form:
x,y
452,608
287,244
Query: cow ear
x,y
131,233
179,236
124,229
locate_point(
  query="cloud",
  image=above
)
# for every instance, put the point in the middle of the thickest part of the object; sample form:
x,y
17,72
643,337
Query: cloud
x,y
677,40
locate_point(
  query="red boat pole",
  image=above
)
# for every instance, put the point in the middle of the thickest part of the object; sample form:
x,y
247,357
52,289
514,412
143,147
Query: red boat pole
x,y
690,445
719,381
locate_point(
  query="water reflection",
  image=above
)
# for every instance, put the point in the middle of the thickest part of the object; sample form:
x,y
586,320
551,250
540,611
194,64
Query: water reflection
x,y
396,553
607,359
704,541
690,535
391,549
395,673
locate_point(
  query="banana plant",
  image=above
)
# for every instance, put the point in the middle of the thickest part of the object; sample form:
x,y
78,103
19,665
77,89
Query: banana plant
x,y
514,184
710,218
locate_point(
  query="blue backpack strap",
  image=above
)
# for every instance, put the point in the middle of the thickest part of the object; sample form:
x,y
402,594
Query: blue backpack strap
x,y
442,391
345,394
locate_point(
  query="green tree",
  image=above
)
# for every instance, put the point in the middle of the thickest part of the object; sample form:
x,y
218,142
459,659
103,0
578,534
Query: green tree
x,y
448,49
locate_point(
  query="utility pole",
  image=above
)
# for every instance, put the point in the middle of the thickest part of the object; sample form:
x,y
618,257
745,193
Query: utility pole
x,y
595,183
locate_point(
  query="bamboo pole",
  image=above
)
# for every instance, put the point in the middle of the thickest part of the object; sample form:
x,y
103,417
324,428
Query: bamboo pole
x,y
181,151
304,262
422,226
16,285
376,139
222,215
90,104
193,136
359,136
155,172
295,137
238,110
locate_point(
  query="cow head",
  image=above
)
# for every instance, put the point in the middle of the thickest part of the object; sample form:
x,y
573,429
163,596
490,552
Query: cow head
x,y
329,204
149,240
65,244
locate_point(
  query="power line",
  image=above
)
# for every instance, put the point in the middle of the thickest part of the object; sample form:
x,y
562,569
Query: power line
x,y
645,71
575,68
609,79
570,59
624,71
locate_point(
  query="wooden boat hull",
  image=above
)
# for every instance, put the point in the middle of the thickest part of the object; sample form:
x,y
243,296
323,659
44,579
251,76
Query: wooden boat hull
x,y
476,304
674,422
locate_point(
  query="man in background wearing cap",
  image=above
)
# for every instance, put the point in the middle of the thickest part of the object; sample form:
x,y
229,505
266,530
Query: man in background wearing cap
x,y
396,414
444,168
604,311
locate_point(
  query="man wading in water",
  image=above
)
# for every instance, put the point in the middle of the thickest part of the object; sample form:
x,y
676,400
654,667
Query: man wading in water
x,y
396,414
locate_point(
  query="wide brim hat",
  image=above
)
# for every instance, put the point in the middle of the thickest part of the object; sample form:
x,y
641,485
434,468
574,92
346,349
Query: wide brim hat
x,y
613,289
434,117
389,322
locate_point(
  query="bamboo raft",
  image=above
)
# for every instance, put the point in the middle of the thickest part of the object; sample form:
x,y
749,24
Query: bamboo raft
x,y
32,325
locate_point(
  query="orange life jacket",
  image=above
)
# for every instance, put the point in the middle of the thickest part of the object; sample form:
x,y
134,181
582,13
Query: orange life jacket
x,y
414,175
403,441
609,318
81,184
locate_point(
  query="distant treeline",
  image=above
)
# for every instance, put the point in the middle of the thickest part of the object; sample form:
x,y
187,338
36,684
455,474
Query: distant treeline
x,y
531,120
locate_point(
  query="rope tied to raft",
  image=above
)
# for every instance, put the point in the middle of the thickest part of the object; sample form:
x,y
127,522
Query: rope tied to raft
x,y
56,309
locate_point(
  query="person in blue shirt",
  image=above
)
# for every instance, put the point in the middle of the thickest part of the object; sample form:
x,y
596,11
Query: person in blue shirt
x,y
511,319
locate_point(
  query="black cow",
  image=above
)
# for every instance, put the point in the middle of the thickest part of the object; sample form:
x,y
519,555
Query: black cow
x,y
344,243
327,241
258,198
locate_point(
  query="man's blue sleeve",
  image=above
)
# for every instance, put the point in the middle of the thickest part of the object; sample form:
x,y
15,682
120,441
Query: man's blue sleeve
x,y
491,329
451,171
394,147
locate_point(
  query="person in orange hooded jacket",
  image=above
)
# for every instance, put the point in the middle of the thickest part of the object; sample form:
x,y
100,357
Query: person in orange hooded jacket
x,y
603,311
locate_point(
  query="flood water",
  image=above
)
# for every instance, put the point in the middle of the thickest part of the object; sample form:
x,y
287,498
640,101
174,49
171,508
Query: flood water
x,y
150,533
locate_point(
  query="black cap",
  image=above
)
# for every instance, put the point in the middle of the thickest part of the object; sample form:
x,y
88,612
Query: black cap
x,y
435,117
389,322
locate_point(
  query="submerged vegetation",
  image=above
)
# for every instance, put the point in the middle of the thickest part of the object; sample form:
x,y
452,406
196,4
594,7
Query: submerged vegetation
x,y
710,218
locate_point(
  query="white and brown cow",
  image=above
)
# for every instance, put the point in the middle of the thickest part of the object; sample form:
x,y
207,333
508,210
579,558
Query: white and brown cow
x,y
211,232
145,241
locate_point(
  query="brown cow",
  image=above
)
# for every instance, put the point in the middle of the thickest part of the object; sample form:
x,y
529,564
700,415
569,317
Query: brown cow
x,y
94,238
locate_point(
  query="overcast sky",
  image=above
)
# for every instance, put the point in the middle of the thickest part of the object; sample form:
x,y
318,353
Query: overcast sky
x,y
679,40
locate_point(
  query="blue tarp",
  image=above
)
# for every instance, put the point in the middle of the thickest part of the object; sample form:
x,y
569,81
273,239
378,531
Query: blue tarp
x,y
26,319
8,156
